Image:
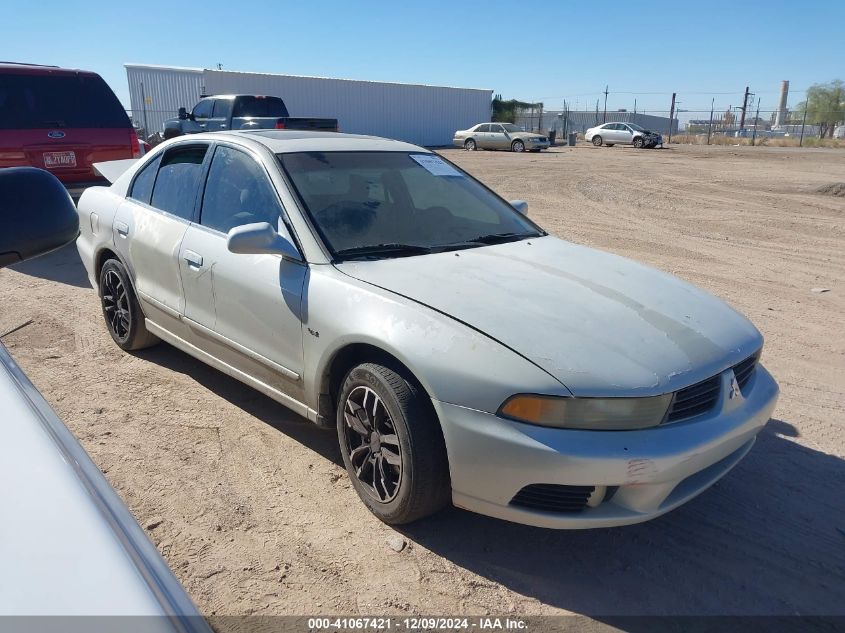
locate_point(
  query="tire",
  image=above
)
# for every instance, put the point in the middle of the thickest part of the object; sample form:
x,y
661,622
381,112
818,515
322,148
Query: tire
x,y
597,141
639,143
392,445
170,133
469,145
517,146
121,311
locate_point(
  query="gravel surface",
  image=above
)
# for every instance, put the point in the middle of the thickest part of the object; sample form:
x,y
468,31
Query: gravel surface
x,y
251,509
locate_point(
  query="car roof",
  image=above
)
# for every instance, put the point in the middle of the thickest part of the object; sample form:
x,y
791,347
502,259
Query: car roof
x,y
287,141
40,69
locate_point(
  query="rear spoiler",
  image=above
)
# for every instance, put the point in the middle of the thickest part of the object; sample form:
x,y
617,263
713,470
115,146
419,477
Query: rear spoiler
x,y
114,169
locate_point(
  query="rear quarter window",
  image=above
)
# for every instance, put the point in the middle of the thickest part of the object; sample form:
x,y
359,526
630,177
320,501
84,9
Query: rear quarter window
x,y
142,186
58,101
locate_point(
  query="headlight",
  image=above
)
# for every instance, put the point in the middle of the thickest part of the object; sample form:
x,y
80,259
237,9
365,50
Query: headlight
x,y
600,414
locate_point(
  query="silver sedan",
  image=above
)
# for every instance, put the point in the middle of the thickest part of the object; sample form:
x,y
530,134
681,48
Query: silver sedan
x,y
500,136
460,352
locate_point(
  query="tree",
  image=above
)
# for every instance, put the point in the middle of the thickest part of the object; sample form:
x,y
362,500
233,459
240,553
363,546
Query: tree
x,y
507,111
825,106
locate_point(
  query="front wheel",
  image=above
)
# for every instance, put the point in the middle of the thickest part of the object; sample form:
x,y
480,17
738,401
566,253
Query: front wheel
x,y
597,141
517,146
639,143
469,145
392,445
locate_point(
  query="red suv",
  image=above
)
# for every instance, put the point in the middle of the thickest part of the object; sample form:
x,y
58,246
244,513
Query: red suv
x,y
63,121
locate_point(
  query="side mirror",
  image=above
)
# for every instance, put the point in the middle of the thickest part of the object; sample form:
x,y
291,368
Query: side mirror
x,y
38,214
183,113
520,205
260,238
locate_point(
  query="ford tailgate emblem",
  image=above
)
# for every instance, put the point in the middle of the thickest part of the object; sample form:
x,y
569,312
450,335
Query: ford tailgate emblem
x,y
56,134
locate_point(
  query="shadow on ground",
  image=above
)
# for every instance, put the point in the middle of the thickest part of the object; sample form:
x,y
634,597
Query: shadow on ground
x,y
769,539
62,265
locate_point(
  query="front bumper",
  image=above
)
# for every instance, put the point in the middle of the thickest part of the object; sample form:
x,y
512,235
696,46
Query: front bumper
x,y
653,470
537,144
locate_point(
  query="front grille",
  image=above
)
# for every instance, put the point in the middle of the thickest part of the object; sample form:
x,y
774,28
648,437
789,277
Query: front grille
x,y
553,497
702,396
695,400
744,370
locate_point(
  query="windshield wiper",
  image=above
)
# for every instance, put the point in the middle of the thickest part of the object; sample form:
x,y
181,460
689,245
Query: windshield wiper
x,y
384,250
499,238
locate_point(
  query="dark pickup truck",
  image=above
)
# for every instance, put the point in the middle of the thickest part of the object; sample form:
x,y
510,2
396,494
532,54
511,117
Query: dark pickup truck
x,y
241,112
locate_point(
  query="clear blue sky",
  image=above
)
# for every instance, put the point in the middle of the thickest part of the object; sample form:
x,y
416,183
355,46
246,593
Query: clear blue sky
x,y
546,50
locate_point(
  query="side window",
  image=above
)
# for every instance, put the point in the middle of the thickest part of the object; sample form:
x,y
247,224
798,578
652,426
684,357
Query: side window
x,y
237,192
498,129
203,109
175,188
142,186
222,109
483,128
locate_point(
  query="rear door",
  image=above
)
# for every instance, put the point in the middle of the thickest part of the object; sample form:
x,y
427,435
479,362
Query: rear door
x,y
483,137
62,122
149,227
245,310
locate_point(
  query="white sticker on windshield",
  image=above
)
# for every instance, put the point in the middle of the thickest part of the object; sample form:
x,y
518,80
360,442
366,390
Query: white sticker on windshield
x,y
436,165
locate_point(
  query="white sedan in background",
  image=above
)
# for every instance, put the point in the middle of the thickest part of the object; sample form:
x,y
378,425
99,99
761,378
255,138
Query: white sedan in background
x,y
611,134
461,353
500,136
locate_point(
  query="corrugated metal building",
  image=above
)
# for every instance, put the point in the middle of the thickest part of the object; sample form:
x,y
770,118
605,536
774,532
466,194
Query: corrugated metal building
x,y
425,115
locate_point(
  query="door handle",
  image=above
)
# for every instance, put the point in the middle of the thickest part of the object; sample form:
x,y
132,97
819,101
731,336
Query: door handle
x,y
122,228
193,259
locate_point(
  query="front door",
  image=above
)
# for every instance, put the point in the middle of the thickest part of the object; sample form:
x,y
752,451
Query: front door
x,y
498,138
246,310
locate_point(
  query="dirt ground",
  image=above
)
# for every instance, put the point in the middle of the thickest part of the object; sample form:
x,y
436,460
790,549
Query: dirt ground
x,y
249,506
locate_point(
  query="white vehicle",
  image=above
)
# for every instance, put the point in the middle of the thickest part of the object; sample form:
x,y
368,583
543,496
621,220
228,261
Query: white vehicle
x,y
611,134
461,352
68,544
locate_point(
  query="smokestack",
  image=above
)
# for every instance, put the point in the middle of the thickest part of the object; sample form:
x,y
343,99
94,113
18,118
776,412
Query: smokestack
x,y
780,117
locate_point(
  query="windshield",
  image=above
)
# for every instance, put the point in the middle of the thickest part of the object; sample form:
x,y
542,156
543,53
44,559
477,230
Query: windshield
x,y
635,127
398,203
510,127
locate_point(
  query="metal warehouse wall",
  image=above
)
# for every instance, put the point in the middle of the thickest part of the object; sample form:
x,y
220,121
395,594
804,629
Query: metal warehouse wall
x,y
156,92
425,115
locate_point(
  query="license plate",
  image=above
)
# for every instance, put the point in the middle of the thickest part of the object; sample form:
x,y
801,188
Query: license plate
x,y
59,159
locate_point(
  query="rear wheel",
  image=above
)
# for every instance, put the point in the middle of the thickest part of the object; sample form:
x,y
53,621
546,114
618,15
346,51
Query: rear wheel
x,y
517,146
123,315
469,145
597,141
392,445
638,142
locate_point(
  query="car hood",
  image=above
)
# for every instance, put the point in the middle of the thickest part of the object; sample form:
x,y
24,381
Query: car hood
x,y
599,323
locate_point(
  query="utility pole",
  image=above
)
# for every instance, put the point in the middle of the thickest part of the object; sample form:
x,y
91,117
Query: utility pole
x,y
744,105
803,123
671,116
597,111
604,119
756,119
710,127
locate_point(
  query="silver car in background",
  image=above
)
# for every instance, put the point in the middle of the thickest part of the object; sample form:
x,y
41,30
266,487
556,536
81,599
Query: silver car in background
x,y
611,134
460,352
500,136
